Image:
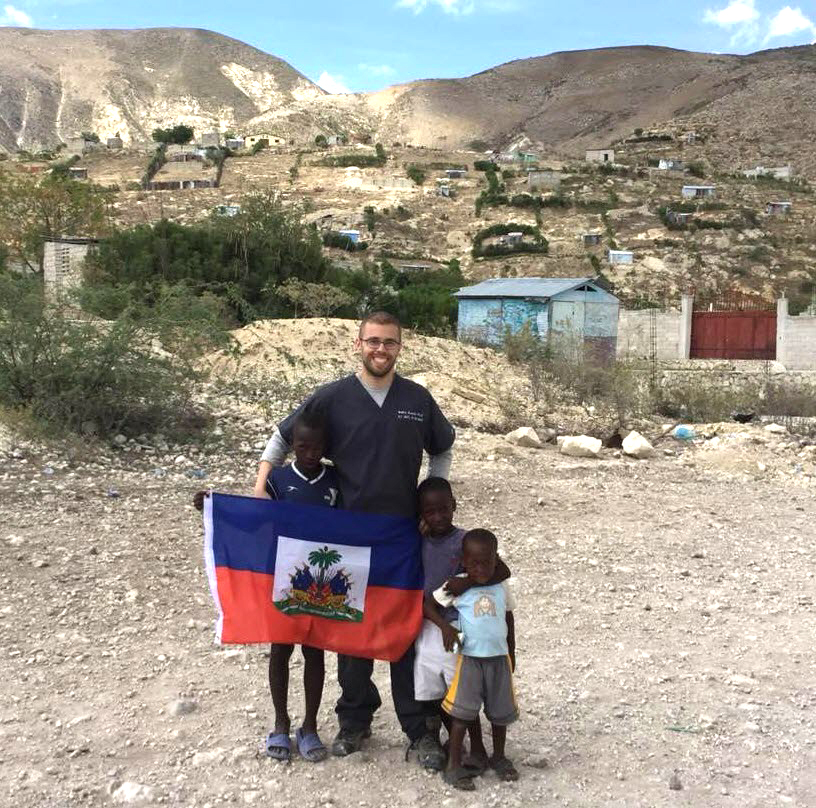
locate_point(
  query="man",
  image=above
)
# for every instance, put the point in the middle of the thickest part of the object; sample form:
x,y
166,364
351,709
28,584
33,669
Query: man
x,y
379,424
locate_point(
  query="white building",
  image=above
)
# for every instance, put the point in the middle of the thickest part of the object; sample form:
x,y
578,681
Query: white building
x,y
620,257
600,155
698,191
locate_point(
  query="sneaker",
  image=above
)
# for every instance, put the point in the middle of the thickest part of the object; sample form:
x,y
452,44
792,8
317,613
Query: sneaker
x,y
429,753
349,741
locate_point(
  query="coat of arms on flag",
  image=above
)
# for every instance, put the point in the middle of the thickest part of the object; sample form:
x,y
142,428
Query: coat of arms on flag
x,y
328,581
339,580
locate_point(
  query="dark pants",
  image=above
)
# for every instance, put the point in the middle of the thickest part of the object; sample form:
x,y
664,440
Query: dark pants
x,y
359,697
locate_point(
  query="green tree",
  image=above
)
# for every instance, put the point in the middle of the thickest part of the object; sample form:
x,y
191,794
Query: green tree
x,y
323,559
321,142
178,134
416,174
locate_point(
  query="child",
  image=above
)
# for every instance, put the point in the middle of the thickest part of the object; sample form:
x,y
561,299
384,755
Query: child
x,y
308,482
434,667
486,660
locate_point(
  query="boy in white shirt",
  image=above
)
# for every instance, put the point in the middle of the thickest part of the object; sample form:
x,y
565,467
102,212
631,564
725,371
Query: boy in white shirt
x,y
487,657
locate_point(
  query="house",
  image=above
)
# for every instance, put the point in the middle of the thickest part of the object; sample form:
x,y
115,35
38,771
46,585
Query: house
x,y
271,140
227,210
698,191
179,184
600,155
776,208
210,140
443,187
671,164
335,140
184,156
778,173
690,137
78,173
417,266
234,143
570,314
526,158
352,235
455,173
620,256
63,263
114,143
549,180
79,145
677,218
591,239
513,238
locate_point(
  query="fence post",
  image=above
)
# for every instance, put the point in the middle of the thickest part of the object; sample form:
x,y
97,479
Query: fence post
x,y
684,343
781,328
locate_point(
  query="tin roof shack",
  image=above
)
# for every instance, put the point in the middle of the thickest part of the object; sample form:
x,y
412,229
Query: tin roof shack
x,y
444,188
456,173
620,257
678,218
187,175
549,180
352,235
778,173
63,262
335,140
778,208
698,191
234,143
227,210
671,164
271,140
526,158
573,315
78,173
114,143
600,155
591,239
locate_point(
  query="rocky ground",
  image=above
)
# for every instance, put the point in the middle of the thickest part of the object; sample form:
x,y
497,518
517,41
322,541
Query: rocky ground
x,y
665,632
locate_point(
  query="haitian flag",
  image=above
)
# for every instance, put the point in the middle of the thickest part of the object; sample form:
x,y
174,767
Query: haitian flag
x,y
339,580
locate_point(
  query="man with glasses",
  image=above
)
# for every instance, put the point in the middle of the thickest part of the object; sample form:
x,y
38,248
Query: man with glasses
x,y
379,424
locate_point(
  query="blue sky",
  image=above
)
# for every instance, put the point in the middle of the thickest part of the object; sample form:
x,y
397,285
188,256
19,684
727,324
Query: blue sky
x,y
355,45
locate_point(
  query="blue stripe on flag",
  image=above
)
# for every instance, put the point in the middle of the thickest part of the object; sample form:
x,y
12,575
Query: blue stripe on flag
x,y
245,531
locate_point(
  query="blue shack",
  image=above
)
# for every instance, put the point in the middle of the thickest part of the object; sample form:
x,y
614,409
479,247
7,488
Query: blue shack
x,y
570,314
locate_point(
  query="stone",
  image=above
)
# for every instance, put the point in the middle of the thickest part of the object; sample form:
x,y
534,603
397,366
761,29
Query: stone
x,y
206,758
182,707
470,395
524,436
537,761
133,793
776,429
580,446
120,440
635,445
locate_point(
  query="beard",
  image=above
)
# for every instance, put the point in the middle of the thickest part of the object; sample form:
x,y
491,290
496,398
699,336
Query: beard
x,y
379,370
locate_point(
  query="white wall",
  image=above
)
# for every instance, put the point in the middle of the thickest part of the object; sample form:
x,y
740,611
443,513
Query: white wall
x,y
795,339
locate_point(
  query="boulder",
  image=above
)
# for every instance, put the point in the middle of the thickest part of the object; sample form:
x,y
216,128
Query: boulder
x,y
635,445
524,436
776,429
580,446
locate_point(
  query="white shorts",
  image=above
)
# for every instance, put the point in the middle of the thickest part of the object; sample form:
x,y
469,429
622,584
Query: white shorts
x,y
434,667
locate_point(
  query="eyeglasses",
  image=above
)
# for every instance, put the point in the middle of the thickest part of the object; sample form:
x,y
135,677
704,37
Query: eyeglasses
x,y
374,343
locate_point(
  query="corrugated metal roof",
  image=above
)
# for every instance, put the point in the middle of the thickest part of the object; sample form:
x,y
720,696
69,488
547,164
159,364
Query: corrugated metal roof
x,y
521,287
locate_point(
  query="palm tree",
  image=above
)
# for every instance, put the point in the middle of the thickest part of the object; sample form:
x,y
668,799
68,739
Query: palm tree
x,y
323,559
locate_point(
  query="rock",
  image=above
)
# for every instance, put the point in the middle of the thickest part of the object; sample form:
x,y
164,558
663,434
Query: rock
x,y
120,440
674,783
635,445
580,446
180,459
182,707
776,429
470,395
537,761
524,436
132,793
206,758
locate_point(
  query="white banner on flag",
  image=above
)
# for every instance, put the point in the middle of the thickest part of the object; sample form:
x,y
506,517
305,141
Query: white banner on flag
x,y
321,579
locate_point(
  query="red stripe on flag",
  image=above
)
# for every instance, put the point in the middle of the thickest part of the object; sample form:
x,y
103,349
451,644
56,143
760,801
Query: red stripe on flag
x,y
391,618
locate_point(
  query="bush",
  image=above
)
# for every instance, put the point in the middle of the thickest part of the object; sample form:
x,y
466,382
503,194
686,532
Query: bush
x,y
538,245
416,174
259,145
478,145
321,142
484,165
104,377
696,169
179,135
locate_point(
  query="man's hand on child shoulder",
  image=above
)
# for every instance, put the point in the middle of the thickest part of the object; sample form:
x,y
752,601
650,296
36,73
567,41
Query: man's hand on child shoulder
x,y
198,499
458,585
450,637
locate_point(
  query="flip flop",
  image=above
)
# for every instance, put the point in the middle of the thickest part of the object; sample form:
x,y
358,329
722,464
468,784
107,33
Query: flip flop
x,y
279,746
505,770
310,746
461,779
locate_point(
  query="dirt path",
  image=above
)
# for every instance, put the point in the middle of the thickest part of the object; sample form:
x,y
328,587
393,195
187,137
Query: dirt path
x,y
665,623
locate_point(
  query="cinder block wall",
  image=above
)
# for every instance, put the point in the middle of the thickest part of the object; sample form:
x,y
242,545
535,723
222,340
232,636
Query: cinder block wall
x,y
795,339
634,340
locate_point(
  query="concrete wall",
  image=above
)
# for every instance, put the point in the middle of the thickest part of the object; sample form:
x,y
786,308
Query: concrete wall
x,y
62,266
795,339
672,332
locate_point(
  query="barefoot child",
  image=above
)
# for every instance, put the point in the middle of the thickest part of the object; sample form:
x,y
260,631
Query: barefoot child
x,y
434,666
305,481
487,658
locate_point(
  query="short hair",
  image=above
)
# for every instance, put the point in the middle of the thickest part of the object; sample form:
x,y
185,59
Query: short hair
x,y
311,416
431,484
380,318
481,536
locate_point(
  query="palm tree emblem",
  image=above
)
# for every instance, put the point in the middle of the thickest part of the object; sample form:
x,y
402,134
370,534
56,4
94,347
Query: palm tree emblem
x,y
323,559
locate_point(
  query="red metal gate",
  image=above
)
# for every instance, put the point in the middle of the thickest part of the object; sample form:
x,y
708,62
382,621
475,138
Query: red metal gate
x,y
733,335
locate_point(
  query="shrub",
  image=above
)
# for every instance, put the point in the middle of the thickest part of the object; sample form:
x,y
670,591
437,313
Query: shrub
x,y
321,142
696,169
538,245
179,134
259,145
478,145
370,218
484,165
416,174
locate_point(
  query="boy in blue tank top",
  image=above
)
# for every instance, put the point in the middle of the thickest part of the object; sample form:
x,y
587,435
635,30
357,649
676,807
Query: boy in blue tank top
x,y
487,658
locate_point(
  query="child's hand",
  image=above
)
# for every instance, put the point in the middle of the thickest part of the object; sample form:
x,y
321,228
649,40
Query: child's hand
x,y
457,586
424,530
450,637
198,500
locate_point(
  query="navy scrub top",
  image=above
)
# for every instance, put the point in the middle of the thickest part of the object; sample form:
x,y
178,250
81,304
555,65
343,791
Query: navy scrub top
x,y
378,450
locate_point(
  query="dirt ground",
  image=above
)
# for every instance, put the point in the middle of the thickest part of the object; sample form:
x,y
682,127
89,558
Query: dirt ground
x,y
665,626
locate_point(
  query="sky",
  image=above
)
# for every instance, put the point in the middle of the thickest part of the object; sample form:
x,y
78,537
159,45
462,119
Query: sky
x,y
354,46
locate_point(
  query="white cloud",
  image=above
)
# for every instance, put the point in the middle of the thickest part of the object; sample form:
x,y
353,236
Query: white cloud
x,y
448,6
788,21
377,70
16,17
332,84
739,16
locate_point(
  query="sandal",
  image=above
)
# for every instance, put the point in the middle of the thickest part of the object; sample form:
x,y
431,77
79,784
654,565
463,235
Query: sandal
x,y
505,770
460,778
310,746
477,766
279,746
